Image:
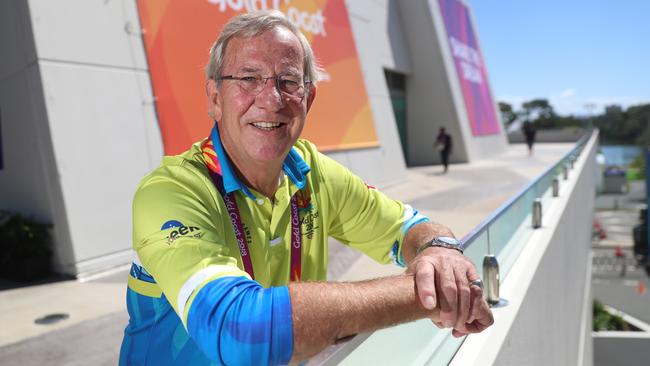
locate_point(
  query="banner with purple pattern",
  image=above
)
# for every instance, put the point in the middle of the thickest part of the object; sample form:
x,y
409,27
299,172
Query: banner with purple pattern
x,y
470,68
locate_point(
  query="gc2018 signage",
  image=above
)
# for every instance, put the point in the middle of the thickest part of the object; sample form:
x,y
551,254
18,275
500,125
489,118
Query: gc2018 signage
x,y
178,35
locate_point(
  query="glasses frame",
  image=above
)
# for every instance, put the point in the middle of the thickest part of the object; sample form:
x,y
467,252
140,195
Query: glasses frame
x,y
262,84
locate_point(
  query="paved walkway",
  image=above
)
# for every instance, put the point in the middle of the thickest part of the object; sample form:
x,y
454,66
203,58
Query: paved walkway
x,y
92,333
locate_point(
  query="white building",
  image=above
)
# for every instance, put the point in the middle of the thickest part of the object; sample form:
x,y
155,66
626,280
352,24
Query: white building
x,y
80,117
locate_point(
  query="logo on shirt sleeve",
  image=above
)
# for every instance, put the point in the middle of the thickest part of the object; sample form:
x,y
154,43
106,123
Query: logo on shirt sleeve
x,y
179,230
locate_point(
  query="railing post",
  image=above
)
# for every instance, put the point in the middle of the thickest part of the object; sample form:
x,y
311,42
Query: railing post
x,y
556,187
537,213
491,275
565,172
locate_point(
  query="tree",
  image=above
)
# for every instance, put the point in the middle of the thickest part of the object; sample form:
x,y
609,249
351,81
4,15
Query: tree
x,y
541,113
508,115
538,109
617,125
636,128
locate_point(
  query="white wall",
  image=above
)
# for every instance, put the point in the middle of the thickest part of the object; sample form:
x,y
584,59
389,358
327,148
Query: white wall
x,y
103,125
377,34
434,94
29,181
81,130
430,103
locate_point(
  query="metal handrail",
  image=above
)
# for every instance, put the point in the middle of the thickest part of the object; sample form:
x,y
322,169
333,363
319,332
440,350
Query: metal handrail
x,y
469,239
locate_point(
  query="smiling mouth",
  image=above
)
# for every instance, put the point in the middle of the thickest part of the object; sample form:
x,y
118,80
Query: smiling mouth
x,y
267,126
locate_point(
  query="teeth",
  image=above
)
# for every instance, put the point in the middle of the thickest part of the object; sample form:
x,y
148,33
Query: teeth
x,y
266,125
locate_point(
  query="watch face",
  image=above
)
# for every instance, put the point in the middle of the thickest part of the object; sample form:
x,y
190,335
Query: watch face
x,y
448,240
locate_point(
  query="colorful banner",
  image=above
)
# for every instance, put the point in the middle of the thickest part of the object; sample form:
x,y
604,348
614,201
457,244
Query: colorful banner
x,y
470,68
178,35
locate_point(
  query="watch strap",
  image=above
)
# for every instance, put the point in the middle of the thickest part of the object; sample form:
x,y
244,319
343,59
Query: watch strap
x,y
436,242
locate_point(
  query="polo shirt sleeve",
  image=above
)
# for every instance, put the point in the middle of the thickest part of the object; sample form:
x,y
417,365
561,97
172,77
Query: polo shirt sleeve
x,y
364,218
176,237
181,244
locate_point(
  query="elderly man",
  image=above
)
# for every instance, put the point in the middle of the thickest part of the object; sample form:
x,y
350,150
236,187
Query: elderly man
x,y
231,236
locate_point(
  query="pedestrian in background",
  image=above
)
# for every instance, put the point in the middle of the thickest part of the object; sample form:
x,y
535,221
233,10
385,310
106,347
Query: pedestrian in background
x,y
529,134
444,145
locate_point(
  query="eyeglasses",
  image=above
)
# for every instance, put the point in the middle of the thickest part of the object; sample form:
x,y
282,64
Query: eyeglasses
x,y
253,84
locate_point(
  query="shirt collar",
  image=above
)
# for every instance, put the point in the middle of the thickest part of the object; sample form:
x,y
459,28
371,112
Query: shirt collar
x,y
294,167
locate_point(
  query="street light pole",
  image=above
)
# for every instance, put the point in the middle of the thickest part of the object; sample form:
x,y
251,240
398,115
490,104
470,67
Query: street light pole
x,y
590,115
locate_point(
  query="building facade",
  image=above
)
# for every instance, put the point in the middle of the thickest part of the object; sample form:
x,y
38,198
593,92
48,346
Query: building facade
x,y
83,118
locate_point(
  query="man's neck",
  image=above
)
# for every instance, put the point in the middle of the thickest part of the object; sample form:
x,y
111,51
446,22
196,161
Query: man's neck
x,y
262,177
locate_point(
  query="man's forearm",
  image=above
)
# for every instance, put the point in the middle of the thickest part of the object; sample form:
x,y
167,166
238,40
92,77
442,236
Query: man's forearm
x,y
324,312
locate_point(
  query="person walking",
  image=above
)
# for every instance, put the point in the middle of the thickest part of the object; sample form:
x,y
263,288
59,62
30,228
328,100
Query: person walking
x,y
529,134
444,146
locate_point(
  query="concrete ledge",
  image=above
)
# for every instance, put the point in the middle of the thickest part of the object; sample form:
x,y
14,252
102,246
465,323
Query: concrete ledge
x,y
621,348
92,267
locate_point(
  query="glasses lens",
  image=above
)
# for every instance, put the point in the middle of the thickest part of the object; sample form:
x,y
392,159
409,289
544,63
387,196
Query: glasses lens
x,y
290,86
251,84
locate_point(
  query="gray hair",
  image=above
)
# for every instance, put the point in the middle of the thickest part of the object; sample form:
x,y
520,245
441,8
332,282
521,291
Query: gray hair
x,y
251,25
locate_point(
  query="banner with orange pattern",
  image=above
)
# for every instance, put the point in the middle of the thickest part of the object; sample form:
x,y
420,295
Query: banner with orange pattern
x,y
178,35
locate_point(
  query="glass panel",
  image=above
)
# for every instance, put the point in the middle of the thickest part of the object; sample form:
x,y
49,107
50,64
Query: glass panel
x,y
502,229
399,345
420,342
477,250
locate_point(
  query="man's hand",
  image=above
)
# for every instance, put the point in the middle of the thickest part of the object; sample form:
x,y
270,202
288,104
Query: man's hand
x,y
442,278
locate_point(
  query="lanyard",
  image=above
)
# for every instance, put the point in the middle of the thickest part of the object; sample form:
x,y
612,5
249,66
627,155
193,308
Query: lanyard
x,y
236,221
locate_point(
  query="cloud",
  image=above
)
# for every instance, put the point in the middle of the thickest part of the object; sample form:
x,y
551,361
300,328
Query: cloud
x,y
568,93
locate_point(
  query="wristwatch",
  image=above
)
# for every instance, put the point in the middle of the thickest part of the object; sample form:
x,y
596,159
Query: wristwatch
x,y
442,241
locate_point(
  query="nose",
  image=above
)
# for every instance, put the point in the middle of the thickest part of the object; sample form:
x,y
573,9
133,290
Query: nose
x,y
270,96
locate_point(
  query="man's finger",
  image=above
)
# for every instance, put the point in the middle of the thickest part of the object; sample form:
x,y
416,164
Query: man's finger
x,y
438,324
425,283
471,273
447,295
457,333
483,319
476,295
462,286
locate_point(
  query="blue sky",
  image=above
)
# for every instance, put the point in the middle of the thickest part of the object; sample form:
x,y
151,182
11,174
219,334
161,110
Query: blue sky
x,y
572,52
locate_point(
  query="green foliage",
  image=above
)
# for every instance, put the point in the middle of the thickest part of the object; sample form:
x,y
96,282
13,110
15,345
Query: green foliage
x,y
508,115
25,247
603,320
541,108
636,169
624,127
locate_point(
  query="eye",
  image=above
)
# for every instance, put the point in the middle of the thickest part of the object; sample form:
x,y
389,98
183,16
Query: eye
x,y
250,79
289,85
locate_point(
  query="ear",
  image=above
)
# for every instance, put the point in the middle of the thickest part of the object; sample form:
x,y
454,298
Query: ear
x,y
311,96
214,101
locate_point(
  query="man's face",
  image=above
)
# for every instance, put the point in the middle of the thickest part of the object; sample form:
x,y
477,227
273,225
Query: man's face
x,y
260,128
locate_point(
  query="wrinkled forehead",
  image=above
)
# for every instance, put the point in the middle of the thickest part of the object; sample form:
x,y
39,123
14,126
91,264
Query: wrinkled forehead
x,y
274,50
